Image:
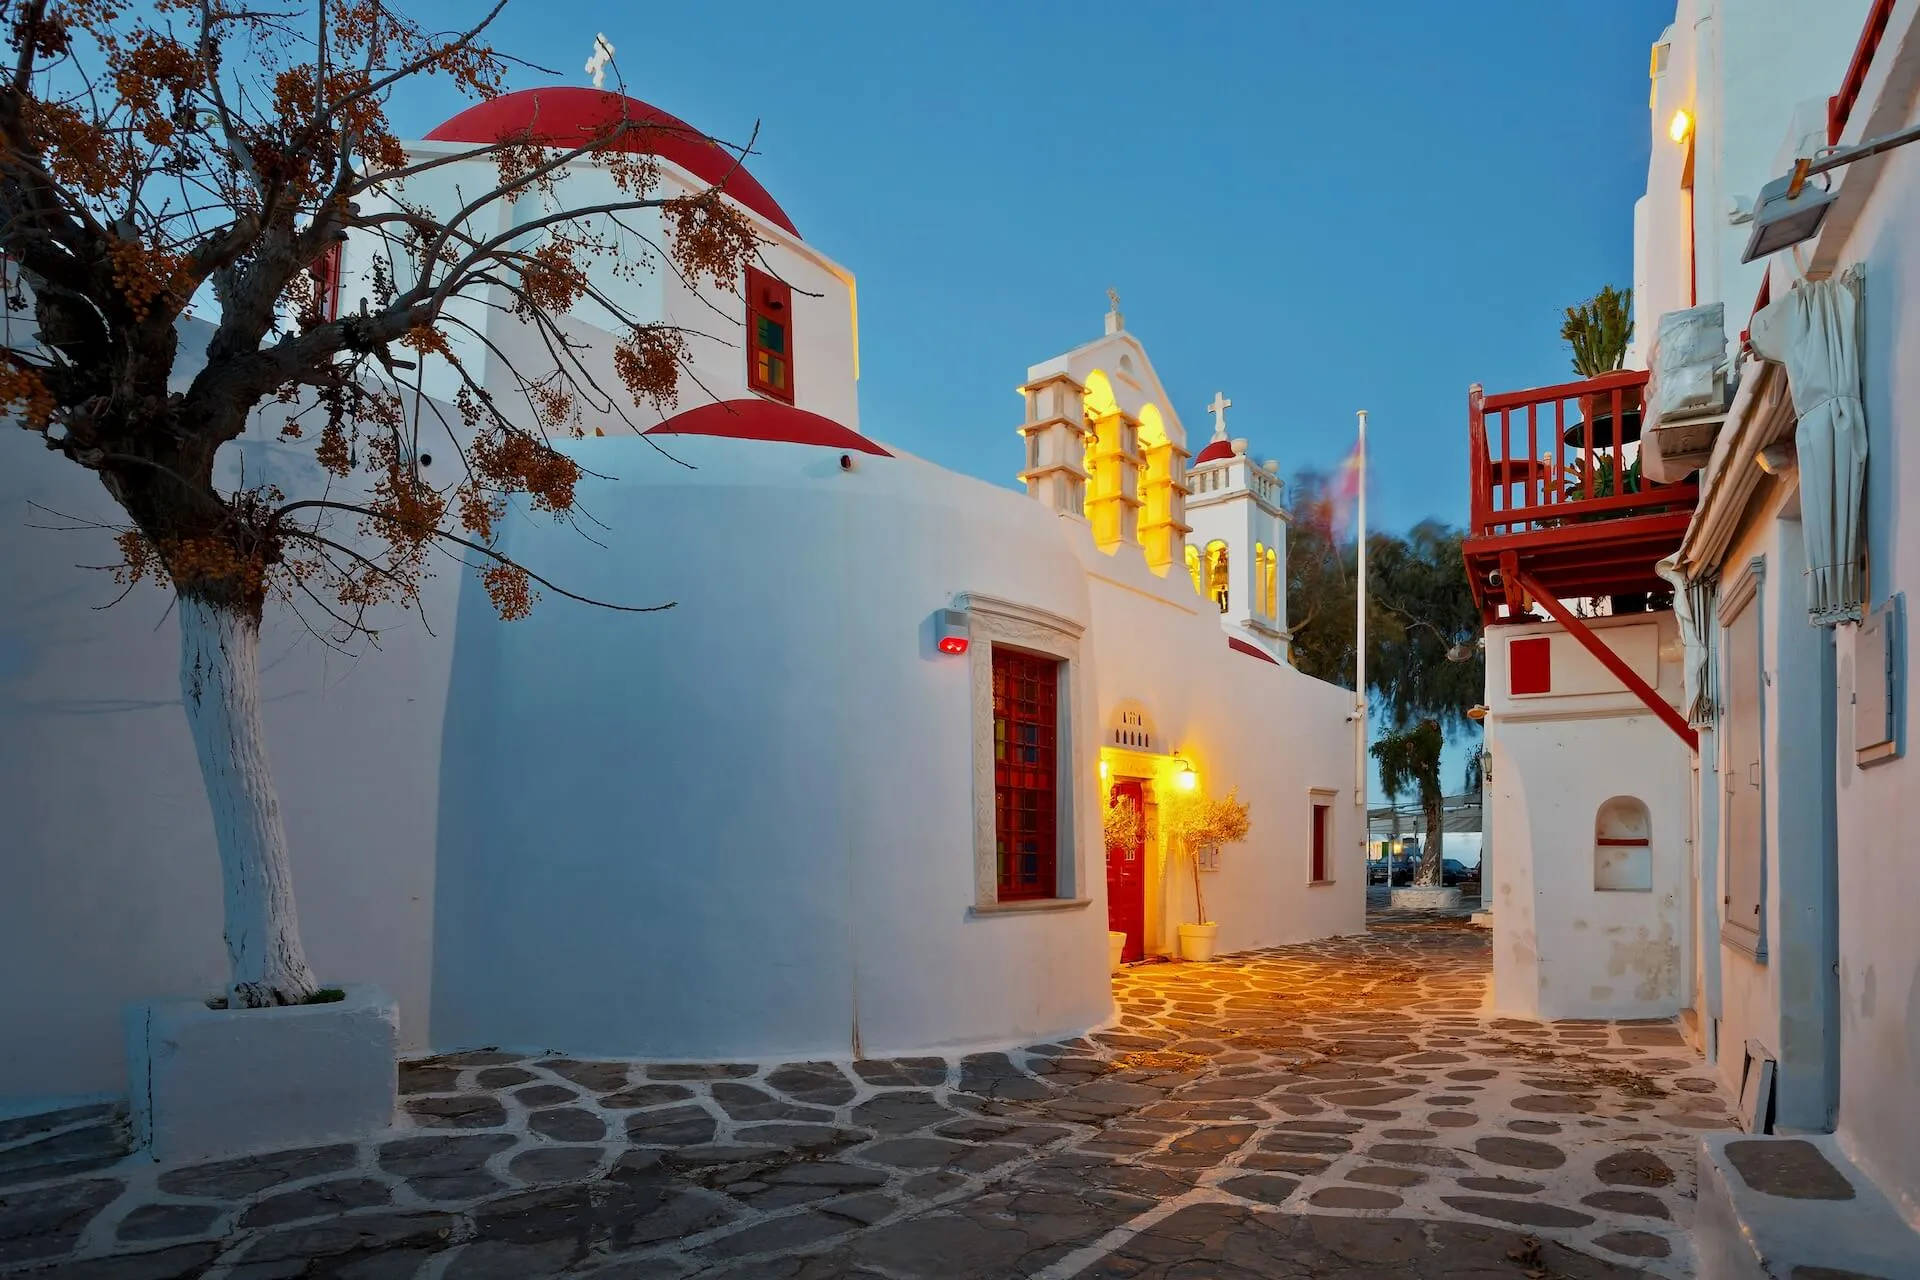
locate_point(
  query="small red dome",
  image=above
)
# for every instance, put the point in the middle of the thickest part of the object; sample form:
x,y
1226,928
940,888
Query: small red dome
x,y
1253,651
568,116
756,419
1214,452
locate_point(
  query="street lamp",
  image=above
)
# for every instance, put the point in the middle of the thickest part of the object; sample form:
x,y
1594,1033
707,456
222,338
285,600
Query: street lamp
x,y
1789,211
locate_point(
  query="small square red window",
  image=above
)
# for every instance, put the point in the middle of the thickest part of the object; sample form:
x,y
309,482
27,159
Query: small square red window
x,y
769,336
1026,691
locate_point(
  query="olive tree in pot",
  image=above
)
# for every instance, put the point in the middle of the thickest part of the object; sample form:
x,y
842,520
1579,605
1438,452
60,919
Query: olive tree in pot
x,y
1203,823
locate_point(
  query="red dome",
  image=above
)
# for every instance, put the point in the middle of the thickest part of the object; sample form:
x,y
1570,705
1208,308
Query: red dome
x,y
569,116
1215,451
757,419
1238,645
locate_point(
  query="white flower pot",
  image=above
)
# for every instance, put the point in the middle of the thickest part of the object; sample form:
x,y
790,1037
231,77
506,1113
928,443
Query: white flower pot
x,y
1197,941
212,1083
1116,947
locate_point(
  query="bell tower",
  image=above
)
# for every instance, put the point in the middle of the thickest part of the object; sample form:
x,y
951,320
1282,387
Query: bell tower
x,y
1237,550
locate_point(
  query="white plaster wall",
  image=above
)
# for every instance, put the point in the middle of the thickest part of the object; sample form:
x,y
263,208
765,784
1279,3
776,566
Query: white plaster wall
x,y
713,319
1563,949
1743,69
743,827
1879,807
1778,1000
112,888
1266,728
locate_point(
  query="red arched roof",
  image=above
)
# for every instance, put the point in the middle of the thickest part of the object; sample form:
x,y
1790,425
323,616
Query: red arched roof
x,y
1241,646
757,419
570,116
1215,451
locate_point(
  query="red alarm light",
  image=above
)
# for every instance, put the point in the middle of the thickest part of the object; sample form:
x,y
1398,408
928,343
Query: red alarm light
x,y
950,625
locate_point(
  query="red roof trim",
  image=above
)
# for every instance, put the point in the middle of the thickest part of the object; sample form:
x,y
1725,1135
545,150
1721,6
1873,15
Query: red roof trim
x,y
1215,451
1238,645
757,419
569,116
1840,105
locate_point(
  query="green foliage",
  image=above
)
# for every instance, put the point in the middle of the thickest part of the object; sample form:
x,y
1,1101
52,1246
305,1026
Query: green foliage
x,y
1598,330
1409,760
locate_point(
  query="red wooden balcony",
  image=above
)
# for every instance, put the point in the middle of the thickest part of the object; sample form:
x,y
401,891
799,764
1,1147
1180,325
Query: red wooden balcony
x,y
1558,501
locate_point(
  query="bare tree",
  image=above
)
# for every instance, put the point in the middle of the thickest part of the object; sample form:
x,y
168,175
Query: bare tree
x,y
156,153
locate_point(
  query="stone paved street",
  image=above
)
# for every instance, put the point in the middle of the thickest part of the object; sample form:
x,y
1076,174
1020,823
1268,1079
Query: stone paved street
x,y
1335,1109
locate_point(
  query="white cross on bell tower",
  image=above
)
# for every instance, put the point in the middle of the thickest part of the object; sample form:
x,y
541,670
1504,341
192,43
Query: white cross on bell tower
x,y
1219,409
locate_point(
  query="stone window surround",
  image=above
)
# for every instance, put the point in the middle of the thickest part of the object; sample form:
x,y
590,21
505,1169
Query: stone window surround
x,y
1735,597
1316,798
992,620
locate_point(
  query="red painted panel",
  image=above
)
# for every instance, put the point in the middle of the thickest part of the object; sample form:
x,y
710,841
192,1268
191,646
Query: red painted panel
x,y
1127,876
1530,665
1320,816
757,419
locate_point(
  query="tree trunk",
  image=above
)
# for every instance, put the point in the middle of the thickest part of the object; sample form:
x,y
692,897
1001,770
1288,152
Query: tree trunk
x,y
1429,876
220,688
1199,902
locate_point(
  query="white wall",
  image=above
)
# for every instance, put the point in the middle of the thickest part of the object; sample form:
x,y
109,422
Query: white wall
x,y
743,827
1879,807
1262,727
112,880
824,335
1562,948
1744,71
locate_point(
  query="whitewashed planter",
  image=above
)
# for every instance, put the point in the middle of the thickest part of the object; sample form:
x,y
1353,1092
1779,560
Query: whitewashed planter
x,y
1197,941
1116,947
205,1083
1424,898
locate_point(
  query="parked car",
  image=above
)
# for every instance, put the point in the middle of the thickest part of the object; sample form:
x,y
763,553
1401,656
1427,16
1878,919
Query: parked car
x,y
1453,872
1402,867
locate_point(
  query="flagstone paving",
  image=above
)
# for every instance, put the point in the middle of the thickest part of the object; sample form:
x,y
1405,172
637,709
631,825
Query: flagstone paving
x,y
1340,1108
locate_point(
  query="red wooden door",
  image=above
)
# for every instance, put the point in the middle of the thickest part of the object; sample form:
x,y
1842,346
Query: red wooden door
x,y
1127,874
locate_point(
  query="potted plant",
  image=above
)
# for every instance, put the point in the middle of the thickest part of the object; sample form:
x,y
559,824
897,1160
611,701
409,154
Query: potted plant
x,y
1205,823
1598,331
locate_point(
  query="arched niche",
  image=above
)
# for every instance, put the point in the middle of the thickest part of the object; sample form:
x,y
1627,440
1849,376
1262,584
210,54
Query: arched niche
x,y
1623,846
1099,398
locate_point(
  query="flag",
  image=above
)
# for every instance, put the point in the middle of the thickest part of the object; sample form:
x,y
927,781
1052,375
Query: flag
x,y
1346,487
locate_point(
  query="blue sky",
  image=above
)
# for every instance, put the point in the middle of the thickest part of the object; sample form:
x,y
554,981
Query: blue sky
x,y
1315,208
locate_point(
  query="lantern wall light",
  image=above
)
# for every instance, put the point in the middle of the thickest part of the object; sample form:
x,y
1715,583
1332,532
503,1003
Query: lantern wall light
x,y
1185,779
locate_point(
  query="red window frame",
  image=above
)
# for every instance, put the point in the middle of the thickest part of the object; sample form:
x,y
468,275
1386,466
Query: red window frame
x,y
769,335
1026,792
1321,814
325,273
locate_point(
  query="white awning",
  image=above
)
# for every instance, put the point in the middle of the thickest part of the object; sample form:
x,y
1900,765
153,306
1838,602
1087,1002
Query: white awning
x,y
1821,350
1693,608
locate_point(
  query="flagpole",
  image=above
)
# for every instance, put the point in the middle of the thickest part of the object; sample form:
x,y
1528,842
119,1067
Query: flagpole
x,y
1360,646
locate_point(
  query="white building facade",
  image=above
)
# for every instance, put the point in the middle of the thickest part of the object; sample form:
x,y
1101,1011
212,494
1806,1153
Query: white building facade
x,y
845,798
1789,652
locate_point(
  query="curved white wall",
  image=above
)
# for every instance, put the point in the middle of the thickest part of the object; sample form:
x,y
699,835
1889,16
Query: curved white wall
x,y
742,828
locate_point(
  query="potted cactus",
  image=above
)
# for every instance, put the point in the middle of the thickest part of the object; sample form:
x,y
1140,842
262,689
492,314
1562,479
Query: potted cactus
x,y
1598,331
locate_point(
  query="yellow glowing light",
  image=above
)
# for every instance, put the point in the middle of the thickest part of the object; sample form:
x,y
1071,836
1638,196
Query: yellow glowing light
x,y
1186,779
1103,768
1680,126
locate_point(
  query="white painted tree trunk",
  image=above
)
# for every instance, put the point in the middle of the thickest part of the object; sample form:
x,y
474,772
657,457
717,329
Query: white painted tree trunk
x,y
220,687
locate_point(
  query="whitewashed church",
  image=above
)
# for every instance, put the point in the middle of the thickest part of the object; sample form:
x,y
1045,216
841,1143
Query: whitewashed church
x,y
845,798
